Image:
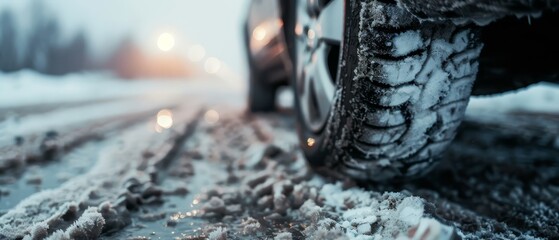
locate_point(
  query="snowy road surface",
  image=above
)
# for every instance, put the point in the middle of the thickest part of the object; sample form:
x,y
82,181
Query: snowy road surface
x,y
182,160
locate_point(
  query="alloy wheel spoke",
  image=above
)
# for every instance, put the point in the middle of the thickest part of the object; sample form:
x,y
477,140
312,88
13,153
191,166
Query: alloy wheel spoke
x,y
306,96
303,21
331,20
323,86
319,26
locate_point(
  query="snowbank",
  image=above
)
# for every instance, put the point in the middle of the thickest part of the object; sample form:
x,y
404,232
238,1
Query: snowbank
x,y
541,97
28,87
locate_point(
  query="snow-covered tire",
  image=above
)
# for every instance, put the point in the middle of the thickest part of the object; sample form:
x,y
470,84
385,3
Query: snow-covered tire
x,y
480,11
402,90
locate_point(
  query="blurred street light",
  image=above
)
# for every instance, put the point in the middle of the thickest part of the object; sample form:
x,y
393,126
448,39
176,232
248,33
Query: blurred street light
x,y
165,118
166,42
211,116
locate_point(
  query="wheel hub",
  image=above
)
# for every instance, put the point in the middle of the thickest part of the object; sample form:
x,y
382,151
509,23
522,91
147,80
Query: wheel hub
x,y
319,27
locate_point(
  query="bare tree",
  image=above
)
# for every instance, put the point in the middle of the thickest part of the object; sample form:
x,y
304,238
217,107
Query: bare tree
x,y
9,60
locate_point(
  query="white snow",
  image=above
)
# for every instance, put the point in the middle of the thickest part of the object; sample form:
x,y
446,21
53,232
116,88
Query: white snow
x,y
311,211
88,226
218,234
364,228
27,88
119,162
283,236
285,97
401,72
81,98
410,211
408,42
59,119
541,98
250,226
395,213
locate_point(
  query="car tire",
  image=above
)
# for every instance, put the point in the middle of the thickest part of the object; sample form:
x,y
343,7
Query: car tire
x,y
262,95
401,90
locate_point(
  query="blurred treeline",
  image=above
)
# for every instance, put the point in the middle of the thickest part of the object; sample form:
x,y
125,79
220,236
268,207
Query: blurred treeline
x,y
41,48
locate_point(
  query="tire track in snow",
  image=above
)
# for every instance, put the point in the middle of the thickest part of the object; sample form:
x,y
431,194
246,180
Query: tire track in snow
x,y
19,184
22,111
102,198
193,171
49,140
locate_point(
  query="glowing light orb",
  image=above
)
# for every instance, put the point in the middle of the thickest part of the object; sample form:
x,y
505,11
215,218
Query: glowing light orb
x,y
165,118
211,116
166,42
259,33
310,142
212,65
196,53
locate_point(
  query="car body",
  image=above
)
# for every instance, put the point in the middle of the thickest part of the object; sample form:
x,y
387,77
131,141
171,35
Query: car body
x,y
265,40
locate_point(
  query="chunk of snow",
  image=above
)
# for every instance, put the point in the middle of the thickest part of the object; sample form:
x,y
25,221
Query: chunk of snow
x,y
218,234
283,236
360,209
407,42
411,210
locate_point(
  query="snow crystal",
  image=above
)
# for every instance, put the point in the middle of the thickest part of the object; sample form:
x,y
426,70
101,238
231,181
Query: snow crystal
x,y
88,226
399,72
337,197
361,210
38,232
407,42
283,236
250,225
384,163
311,211
361,215
218,234
411,210
325,229
364,228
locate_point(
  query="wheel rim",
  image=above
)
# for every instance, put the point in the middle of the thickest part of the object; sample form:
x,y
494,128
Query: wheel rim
x,y
318,32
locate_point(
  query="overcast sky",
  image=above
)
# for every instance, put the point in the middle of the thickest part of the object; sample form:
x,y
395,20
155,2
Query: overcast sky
x,y
215,24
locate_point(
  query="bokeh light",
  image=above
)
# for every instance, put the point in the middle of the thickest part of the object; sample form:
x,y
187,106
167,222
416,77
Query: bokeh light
x,y
196,53
166,42
165,118
310,142
212,65
259,33
211,116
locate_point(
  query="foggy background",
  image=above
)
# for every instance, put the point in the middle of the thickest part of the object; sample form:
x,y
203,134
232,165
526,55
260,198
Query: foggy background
x,y
62,36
